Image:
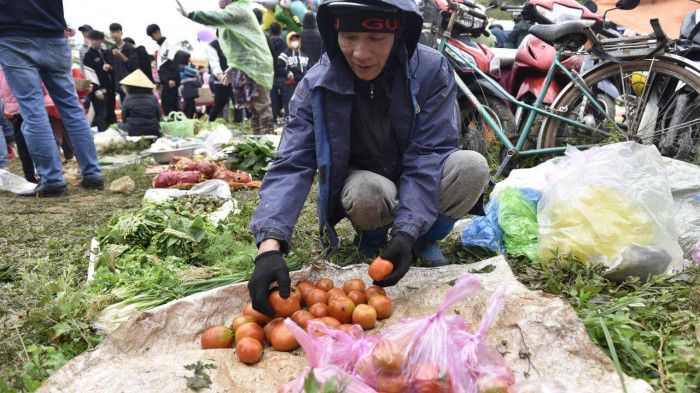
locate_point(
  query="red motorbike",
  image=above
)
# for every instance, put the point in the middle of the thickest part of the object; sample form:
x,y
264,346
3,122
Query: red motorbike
x,y
471,24
534,57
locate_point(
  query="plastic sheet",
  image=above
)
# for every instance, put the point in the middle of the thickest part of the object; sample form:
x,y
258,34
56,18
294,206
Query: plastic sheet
x,y
614,207
517,217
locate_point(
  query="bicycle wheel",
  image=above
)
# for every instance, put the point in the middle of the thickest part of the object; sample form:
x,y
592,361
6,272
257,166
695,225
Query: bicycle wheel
x,y
655,102
471,122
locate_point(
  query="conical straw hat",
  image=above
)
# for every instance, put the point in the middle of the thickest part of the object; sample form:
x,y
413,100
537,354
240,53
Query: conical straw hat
x,y
137,79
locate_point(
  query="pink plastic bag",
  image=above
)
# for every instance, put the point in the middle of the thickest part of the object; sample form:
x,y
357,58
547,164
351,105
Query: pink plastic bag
x,y
320,353
439,353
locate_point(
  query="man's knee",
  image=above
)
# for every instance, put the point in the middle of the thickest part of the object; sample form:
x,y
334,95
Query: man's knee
x,y
369,200
464,177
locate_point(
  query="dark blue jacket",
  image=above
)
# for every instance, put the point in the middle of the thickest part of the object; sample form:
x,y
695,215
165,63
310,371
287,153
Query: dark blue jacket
x,y
317,138
32,18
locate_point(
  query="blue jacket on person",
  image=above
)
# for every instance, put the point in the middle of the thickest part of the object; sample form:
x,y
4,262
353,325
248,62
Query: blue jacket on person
x,y
317,137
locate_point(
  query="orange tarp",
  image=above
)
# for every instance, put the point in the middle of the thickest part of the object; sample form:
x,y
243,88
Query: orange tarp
x,y
669,12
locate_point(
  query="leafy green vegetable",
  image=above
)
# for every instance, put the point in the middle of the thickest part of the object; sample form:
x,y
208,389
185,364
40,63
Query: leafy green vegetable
x,y
252,156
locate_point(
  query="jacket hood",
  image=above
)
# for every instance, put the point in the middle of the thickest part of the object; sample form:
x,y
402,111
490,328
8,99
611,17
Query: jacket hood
x,y
291,35
309,21
412,20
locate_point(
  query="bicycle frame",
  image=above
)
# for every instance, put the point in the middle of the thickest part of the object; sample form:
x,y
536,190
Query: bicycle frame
x,y
534,109
515,150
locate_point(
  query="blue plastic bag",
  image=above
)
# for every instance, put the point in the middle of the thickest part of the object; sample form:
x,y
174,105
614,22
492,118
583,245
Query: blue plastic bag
x,y
483,231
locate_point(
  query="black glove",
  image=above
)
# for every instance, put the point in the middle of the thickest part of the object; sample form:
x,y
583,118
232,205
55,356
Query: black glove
x,y
399,253
269,267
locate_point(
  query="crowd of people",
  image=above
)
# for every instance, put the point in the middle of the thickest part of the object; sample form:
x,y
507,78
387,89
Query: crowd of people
x,y
117,82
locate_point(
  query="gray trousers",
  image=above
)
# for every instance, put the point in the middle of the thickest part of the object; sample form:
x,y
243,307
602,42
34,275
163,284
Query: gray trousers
x,y
370,200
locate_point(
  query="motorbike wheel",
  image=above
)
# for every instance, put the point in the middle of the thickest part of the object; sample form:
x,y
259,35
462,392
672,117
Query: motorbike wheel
x,y
471,121
659,104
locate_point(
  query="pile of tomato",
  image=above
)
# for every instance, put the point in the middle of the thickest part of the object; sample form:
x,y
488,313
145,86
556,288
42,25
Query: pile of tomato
x,y
338,308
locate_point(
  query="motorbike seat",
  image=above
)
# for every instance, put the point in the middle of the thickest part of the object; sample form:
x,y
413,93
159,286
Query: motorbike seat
x,y
570,34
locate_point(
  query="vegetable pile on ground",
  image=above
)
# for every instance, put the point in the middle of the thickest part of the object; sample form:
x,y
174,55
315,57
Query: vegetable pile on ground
x,y
185,172
253,156
164,252
337,308
199,203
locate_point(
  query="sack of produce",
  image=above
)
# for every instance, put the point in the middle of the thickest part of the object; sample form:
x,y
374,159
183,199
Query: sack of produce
x,y
614,207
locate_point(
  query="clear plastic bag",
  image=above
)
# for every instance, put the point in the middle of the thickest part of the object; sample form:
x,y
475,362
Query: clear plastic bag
x,y
14,183
613,207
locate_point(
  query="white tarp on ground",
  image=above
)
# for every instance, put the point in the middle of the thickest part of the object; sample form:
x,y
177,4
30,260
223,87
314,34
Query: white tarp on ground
x,y
148,352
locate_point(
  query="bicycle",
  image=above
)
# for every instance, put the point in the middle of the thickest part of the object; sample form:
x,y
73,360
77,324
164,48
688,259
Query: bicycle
x,y
658,95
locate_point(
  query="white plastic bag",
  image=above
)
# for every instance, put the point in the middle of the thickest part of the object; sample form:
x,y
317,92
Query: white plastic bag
x,y
215,187
611,205
109,137
13,183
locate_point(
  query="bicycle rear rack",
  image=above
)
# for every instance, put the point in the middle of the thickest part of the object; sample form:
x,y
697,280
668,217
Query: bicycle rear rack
x,y
631,47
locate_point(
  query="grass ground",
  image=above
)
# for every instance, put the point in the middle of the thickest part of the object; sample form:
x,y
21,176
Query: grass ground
x,y
654,327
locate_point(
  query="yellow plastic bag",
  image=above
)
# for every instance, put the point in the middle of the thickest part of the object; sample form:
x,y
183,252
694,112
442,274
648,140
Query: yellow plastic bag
x,y
611,205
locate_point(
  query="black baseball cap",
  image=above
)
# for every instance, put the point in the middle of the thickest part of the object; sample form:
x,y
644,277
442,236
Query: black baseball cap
x,y
152,29
85,28
115,26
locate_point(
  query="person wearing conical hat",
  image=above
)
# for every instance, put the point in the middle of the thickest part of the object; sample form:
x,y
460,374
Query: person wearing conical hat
x,y
141,113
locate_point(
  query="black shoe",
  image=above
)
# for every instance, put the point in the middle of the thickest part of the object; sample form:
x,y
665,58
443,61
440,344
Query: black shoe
x,y
93,184
41,191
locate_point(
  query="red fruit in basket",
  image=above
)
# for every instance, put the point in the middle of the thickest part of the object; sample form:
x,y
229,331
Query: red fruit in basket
x,y
346,327
260,318
249,351
332,322
185,165
206,167
165,179
489,384
354,285
217,337
242,177
305,288
301,317
365,316
220,173
252,330
357,297
296,292
391,383
190,177
319,310
371,291
382,304
174,159
380,269
283,307
240,320
387,356
431,379
335,292
325,283
316,296
270,327
283,339
341,308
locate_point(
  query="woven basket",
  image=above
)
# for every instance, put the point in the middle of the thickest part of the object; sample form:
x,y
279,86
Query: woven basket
x,y
177,124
